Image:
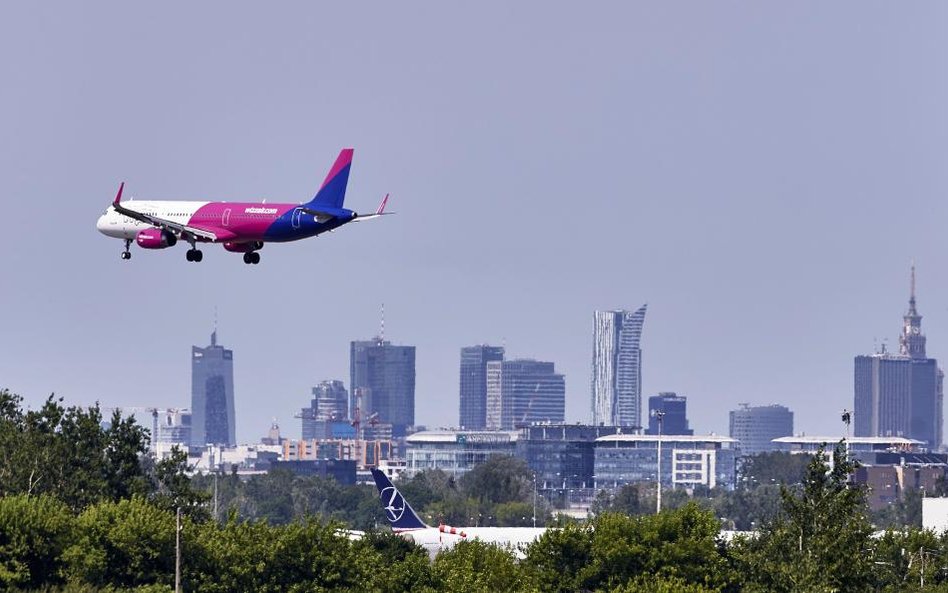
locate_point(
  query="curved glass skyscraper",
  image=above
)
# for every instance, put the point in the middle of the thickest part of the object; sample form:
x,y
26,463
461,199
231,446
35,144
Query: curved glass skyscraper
x,y
617,367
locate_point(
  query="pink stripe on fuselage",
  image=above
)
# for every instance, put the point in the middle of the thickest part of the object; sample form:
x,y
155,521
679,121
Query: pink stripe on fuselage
x,y
239,221
344,159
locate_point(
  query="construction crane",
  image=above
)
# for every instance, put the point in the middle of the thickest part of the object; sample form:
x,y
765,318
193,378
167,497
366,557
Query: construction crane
x,y
523,421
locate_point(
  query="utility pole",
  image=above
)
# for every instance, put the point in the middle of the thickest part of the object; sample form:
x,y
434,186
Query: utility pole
x,y
534,499
659,416
215,494
177,551
847,418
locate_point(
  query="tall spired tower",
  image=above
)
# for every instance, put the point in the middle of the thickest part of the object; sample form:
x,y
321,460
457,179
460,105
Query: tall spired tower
x,y
901,394
912,341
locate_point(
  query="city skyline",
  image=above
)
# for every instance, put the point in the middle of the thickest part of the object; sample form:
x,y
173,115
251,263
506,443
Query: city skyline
x,y
744,184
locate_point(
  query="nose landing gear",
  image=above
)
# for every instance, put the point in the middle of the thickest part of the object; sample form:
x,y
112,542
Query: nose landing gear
x,y
127,254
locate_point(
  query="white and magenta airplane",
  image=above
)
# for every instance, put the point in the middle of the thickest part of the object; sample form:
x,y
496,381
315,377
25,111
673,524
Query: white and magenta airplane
x,y
242,227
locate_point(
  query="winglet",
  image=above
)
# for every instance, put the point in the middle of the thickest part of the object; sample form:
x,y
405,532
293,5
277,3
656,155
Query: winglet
x,y
118,196
381,209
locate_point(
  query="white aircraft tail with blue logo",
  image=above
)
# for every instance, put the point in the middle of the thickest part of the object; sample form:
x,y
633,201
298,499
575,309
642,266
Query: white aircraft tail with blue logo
x,y
397,510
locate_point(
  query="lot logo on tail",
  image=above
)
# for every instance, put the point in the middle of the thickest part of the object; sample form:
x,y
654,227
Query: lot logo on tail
x,y
393,503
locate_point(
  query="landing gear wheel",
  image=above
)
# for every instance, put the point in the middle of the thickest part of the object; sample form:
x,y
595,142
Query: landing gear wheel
x,y
189,255
247,258
254,257
126,255
198,255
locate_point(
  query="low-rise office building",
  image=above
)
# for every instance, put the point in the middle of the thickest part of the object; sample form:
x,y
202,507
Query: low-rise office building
x,y
563,457
686,461
456,451
863,449
366,453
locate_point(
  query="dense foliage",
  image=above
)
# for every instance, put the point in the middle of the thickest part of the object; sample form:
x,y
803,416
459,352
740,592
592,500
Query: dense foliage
x,y
84,509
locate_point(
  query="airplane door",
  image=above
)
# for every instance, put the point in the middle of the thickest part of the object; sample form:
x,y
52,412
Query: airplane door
x,y
297,215
225,217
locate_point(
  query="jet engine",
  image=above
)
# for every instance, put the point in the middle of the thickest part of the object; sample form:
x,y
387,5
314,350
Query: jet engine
x,y
243,247
155,239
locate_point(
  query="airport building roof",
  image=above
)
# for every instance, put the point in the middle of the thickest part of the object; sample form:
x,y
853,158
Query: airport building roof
x,y
666,438
819,440
457,436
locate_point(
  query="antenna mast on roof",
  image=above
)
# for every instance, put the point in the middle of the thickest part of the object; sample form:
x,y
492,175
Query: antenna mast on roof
x,y
382,327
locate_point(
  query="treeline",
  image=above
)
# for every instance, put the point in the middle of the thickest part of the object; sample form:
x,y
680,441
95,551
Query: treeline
x,y
84,508
820,540
498,492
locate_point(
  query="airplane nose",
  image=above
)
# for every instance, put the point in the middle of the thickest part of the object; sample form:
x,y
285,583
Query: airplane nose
x,y
100,224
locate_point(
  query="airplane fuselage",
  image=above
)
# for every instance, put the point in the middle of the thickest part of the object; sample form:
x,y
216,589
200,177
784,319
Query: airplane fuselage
x,y
232,222
435,540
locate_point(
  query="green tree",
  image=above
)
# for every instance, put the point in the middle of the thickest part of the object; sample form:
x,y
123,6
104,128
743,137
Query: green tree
x,y
34,532
745,509
174,488
516,514
125,444
819,540
772,468
427,487
556,559
269,497
478,567
904,512
650,584
405,566
122,544
900,559
630,499
681,543
296,557
500,479
65,452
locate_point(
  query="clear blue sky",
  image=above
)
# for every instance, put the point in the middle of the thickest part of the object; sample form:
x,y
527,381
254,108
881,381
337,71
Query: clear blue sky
x,y
761,174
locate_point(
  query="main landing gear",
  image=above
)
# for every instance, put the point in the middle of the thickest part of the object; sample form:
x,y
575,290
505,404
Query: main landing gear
x,y
127,254
194,255
251,257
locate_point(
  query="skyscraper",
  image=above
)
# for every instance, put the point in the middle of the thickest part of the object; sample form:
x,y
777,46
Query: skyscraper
x,y
473,384
675,419
521,392
756,426
212,395
900,394
330,403
617,367
383,376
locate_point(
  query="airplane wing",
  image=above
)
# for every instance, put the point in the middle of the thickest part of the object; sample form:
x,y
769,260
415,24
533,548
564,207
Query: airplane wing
x,y
161,223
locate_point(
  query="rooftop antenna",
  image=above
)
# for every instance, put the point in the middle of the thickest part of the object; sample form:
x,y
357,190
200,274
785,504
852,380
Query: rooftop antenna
x,y
214,333
382,327
912,293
